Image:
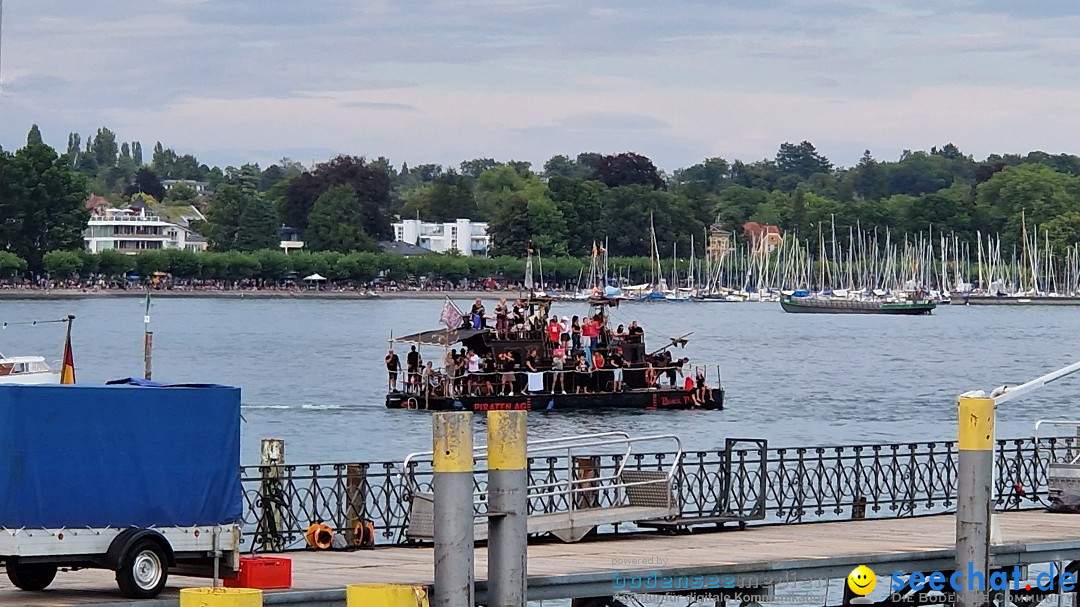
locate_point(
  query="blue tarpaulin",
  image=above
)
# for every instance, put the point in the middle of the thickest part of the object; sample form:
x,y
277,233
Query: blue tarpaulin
x,y
120,456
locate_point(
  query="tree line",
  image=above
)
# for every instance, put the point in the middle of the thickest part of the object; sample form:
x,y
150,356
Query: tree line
x,y
275,266
348,203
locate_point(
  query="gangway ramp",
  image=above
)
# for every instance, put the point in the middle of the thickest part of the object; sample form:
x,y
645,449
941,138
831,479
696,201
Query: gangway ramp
x,y
583,499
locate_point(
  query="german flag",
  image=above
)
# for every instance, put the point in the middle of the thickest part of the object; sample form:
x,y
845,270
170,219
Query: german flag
x,y
67,372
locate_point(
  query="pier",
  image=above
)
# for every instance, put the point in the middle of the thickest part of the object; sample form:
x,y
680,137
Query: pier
x,y
761,553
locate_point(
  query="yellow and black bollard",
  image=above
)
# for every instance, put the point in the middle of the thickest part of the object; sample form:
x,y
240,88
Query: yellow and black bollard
x,y
508,478
453,489
974,495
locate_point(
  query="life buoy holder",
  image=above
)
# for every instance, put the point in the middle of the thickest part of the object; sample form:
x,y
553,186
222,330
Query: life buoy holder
x,y
319,536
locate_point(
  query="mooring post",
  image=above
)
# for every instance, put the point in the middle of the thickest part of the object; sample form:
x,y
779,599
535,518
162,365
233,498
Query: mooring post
x,y
974,496
508,479
272,465
453,488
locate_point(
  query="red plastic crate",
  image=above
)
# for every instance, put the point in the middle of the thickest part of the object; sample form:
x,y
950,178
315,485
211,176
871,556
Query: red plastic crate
x,y
263,573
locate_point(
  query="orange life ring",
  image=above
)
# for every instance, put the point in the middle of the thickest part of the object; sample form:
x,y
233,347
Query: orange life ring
x,y
319,536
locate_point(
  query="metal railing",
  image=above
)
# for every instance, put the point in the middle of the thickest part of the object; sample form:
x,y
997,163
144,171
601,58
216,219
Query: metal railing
x,y
558,492
744,480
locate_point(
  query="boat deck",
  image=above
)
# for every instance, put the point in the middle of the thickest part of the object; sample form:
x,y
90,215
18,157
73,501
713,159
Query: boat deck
x,y
557,570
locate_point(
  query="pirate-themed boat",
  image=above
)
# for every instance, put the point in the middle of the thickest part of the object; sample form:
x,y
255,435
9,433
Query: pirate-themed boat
x,y
521,371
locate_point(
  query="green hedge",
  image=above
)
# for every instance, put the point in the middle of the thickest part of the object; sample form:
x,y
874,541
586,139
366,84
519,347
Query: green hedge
x,y
274,265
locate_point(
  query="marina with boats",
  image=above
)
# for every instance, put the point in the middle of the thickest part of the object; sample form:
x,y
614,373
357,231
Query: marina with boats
x,y
862,270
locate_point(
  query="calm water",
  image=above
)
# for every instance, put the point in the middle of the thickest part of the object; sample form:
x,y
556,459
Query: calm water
x,y
312,371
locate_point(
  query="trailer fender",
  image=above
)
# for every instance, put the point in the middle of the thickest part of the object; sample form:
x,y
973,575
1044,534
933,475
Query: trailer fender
x,y
127,538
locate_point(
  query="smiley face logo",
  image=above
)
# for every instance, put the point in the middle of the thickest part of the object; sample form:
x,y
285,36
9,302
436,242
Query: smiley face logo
x,y
862,580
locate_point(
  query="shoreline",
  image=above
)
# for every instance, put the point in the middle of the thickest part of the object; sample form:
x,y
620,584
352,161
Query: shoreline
x,y
65,294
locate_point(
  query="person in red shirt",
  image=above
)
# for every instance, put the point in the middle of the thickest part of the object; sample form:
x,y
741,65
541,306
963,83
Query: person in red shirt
x,y
554,331
591,332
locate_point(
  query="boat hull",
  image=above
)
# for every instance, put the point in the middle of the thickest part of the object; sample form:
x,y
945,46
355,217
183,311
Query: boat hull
x,y
31,379
856,307
664,398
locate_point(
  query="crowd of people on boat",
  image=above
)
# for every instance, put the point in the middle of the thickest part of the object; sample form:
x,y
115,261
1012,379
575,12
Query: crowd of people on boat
x,y
586,356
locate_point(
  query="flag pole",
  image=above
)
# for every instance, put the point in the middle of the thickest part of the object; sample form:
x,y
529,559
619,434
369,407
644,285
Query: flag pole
x,y
148,339
67,369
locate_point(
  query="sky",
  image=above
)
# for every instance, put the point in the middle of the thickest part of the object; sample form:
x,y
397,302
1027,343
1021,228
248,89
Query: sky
x,y
442,81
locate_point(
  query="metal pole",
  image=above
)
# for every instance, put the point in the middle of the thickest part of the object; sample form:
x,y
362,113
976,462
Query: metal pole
x,y
148,346
453,486
508,479
974,494
148,338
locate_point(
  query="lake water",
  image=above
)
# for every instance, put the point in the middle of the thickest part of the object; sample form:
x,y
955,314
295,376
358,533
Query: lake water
x,y
312,371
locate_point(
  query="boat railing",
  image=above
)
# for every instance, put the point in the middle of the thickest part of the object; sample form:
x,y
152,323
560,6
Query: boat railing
x,y
437,382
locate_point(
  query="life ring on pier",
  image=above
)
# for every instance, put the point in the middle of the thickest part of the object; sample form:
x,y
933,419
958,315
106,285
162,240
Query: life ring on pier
x,y
319,536
411,403
364,534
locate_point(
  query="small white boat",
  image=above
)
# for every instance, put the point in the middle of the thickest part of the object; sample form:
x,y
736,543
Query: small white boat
x,y
27,370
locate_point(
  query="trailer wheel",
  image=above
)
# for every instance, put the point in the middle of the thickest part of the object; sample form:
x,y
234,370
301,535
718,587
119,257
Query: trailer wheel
x,y
143,571
31,576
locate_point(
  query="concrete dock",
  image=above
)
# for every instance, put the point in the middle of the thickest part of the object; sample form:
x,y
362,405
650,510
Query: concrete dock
x,y
556,570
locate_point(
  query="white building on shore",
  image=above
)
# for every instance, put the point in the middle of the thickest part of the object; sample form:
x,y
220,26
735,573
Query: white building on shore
x,y
133,230
470,238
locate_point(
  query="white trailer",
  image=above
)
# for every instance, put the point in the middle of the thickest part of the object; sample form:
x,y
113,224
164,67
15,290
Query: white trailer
x,y
141,557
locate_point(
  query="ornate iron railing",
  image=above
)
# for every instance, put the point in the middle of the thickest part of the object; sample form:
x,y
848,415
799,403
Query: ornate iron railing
x,y
802,484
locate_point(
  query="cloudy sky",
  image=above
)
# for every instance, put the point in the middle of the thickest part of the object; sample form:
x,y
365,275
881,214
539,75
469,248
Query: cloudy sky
x,y
448,80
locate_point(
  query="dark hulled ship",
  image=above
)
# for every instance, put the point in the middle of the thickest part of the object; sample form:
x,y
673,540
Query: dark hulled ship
x,y
519,367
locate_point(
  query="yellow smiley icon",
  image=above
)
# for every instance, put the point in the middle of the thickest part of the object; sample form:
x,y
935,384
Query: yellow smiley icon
x,y
862,580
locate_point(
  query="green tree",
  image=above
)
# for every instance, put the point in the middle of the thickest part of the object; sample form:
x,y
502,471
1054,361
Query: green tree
x,y
1063,231
473,168
183,264
371,186
34,136
337,223
224,216
627,168
273,265
712,174
114,263
11,264
181,194
736,204
62,264
1034,191
41,204
242,265
800,162
257,227
450,198
105,149
496,186
148,262
581,203
563,166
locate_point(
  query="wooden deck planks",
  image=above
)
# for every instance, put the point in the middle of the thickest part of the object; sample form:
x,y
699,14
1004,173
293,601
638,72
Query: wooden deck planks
x,y
756,546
